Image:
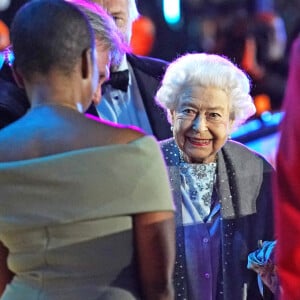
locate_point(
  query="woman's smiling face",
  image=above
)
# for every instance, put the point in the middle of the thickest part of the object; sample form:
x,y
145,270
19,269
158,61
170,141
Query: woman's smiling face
x,y
202,123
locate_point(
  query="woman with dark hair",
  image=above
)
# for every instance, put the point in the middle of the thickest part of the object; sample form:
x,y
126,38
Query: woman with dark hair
x,y
80,211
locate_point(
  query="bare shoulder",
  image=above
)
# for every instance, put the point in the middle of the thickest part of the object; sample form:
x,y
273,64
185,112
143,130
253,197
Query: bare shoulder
x,y
106,132
125,135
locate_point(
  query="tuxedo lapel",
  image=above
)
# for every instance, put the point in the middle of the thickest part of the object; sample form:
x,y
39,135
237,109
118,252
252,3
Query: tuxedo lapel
x,y
148,76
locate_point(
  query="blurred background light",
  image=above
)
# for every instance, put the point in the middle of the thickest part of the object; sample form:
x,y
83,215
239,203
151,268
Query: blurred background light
x,y
143,36
172,11
4,35
4,4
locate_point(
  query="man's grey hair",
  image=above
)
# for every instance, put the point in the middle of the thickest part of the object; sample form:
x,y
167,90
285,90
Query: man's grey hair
x,y
104,28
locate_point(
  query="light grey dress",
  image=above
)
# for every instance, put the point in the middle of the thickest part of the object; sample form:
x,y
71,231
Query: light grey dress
x,y
67,220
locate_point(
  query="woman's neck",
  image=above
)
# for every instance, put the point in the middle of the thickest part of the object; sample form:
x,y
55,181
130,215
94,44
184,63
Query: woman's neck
x,y
57,105
53,90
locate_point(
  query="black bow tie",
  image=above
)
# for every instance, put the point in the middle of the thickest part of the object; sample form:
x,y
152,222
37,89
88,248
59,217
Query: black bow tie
x,y
119,80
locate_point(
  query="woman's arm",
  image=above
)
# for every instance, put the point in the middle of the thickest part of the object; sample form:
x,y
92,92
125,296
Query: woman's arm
x,y
155,245
5,274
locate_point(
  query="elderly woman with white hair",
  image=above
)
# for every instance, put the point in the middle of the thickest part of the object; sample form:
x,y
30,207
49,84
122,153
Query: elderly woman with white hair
x,y
221,188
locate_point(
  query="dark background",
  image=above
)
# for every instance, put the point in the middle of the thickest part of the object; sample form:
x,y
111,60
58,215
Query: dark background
x,y
171,41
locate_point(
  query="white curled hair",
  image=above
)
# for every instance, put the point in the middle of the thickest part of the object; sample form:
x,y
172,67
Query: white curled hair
x,y
207,70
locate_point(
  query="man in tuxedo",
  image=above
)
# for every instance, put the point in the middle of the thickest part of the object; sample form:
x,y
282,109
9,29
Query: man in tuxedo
x,y
128,97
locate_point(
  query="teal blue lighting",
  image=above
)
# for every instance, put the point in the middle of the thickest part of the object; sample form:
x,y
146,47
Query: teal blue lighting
x,y
247,128
171,9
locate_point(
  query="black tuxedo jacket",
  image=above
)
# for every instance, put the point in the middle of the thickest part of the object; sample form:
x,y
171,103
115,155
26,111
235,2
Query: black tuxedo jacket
x,y
149,72
13,100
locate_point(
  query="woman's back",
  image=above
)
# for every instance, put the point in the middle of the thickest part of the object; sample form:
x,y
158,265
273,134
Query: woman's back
x,y
77,195
69,224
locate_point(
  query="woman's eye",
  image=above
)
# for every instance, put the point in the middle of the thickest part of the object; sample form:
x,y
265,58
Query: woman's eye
x,y
214,116
188,111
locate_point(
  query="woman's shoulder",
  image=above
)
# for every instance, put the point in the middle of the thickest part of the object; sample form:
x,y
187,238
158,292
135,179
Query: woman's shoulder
x,y
119,134
112,134
167,144
243,152
238,149
128,135
170,151
106,132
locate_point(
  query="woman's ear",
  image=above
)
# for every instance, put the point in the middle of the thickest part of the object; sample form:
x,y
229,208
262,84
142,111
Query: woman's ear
x,y
89,69
17,77
86,63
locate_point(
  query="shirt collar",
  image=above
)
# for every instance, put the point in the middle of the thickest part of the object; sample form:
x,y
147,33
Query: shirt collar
x,y
123,65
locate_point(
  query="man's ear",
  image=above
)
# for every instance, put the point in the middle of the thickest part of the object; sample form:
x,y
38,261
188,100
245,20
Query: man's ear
x,y
17,77
86,63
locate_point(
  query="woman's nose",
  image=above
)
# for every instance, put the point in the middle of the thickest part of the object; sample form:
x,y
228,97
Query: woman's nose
x,y
199,124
